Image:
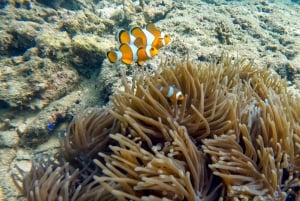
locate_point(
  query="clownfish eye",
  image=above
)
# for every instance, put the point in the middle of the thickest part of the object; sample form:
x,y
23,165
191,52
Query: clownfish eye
x,y
153,51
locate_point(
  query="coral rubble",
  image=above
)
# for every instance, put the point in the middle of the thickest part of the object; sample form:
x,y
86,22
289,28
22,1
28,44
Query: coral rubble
x,y
235,136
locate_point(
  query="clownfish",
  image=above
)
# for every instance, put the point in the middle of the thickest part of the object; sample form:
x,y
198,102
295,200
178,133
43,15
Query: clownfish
x,y
151,36
138,45
142,37
124,36
172,93
129,54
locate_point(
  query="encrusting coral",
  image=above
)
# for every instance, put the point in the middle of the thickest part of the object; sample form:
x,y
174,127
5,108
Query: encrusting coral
x,y
234,136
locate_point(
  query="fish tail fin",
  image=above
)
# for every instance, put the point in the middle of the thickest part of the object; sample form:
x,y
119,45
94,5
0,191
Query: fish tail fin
x,y
114,56
123,36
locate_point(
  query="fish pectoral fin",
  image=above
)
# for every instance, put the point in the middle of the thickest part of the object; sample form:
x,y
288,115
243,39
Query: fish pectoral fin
x,y
141,54
126,61
140,63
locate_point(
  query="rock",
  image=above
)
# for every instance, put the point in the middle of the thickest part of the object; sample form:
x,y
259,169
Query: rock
x,y
23,34
6,41
56,4
51,146
6,157
18,37
36,129
32,84
297,32
9,139
4,124
53,4
1,194
53,44
90,50
83,22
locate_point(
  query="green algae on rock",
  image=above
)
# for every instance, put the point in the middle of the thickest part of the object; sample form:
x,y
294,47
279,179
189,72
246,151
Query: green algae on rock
x,y
54,45
89,50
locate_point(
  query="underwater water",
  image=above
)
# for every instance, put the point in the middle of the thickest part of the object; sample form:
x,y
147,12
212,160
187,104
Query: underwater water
x,y
54,65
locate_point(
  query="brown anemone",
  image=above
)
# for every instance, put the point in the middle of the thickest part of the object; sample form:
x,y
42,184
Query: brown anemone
x,y
234,136
87,135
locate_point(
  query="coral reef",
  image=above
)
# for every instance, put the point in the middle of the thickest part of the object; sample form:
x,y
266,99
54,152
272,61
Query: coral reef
x,y
35,130
223,34
52,61
235,135
53,45
43,63
89,50
40,81
69,5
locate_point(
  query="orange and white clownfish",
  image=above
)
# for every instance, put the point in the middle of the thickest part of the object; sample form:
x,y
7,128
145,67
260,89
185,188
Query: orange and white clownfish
x,y
172,93
160,38
124,36
142,37
129,54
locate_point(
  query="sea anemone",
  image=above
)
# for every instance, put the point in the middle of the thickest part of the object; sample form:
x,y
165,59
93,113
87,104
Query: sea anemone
x,y
234,136
87,135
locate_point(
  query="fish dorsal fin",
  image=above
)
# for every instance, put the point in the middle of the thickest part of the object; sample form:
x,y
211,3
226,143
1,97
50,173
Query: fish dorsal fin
x,y
139,42
127,53
137,32
123,36
152,29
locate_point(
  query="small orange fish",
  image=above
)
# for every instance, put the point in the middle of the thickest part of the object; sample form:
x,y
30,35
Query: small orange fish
x,y
142,37
129,54
124,36
138,45
151,36
172,93
160,38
